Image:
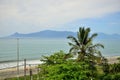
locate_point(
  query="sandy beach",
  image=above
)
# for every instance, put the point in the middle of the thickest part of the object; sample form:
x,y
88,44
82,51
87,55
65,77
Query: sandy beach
x,y
112,59
12,72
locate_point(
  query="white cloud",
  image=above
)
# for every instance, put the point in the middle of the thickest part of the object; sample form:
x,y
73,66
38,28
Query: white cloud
x,y
50,13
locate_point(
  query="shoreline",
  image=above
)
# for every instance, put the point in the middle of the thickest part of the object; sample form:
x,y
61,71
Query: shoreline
x,y
6,65
9,64
112,59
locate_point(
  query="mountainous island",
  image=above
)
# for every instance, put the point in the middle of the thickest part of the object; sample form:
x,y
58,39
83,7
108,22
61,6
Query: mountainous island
x,y
58,34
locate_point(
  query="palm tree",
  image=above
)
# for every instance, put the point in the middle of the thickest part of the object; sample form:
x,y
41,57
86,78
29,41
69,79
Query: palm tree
x,y
82,45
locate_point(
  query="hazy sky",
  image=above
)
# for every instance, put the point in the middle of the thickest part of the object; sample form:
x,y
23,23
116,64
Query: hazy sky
x,y
26,16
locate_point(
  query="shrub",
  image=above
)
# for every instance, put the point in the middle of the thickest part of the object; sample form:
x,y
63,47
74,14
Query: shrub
x,y
66,69
115,68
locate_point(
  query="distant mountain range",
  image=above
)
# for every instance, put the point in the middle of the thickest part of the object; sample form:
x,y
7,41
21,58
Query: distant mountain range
x,y
58,34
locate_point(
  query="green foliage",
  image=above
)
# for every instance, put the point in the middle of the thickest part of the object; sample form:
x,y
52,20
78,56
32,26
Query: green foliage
x,y
110,77
69,70
62,69
56,58
110,68
118,59
112,71
105,66
115,68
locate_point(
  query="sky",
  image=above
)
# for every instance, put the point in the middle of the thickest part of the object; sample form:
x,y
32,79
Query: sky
x,y
27,16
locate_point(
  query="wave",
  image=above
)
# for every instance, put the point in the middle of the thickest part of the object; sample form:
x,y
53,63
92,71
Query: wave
x,y
13,63
7,61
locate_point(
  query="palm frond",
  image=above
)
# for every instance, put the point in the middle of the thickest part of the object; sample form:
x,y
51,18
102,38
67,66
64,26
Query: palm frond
x,y
93,36
78,36
74,48
98,53
81,34
88,45
86,35
97,45
73,39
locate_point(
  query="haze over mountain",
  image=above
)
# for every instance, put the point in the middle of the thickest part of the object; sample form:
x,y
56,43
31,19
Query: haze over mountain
x,y
58,34
44,34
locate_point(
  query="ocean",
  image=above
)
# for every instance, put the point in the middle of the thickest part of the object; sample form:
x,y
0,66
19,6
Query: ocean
x,y
34,48
30,48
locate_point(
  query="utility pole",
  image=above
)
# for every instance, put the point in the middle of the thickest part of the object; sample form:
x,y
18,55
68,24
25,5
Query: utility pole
x,y
30,72
37,73
24,69
18,58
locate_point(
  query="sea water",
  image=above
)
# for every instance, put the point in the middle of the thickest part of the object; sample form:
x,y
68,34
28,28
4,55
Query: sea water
x,y
30,48
35,48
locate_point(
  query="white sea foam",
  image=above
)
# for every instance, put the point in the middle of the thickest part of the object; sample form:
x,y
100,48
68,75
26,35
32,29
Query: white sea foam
x,y
21,63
